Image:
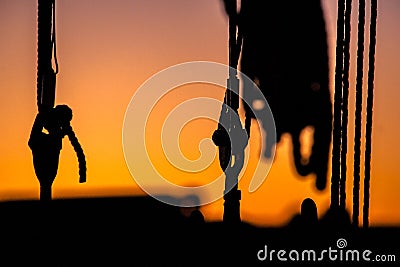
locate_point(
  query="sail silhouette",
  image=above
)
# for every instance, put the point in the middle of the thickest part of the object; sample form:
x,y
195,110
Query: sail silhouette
x,y
292,73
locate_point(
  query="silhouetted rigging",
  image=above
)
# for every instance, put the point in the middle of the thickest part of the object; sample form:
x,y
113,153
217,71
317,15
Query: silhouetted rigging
x,y
358,111
51,123
345,103
292,74
339,157
294,77
370,102
230,137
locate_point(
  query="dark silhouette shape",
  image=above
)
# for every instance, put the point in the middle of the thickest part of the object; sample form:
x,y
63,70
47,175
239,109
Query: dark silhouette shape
x,y
46,53
140,230
370,102
46,147
345,103
337,133
230,137
230,147
307,219
293,74
196,217
190,209
309,212
339,157
45,150
336,219
358,112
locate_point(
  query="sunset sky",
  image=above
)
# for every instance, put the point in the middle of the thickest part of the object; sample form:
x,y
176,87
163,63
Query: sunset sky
x,y
107,49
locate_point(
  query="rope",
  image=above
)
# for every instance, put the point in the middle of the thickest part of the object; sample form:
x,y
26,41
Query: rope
x,y
231,151
63,115
46,50
53,38
46,75
345,100
79,152
370,101
358,110
337,106
44,47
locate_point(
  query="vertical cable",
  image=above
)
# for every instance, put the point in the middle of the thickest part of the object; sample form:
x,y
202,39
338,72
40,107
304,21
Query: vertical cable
x,y
370,101
44,47
358,111
337,106
345,100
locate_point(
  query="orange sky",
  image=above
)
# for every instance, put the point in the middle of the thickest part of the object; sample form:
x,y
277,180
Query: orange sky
x,y
107,49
